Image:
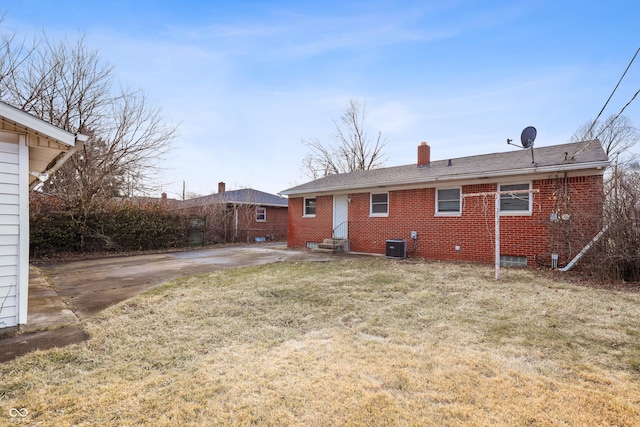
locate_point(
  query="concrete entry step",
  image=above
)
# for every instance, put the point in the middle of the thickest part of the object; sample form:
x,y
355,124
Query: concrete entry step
x,y
332,245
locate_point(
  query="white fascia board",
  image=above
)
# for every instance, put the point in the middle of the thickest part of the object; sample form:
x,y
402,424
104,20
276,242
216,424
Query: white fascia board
x,y
531,172
37,125
81,138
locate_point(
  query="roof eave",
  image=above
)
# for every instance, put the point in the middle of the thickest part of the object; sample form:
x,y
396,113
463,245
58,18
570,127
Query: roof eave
x,y
597,165
233,202
39,127
258,204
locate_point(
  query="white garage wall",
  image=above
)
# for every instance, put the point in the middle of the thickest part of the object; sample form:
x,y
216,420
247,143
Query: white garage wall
x,y
9,229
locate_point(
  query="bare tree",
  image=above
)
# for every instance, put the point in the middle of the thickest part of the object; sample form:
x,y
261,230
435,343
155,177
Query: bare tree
x,y
351,150
616,134
67,84
617,257
117,160
12,54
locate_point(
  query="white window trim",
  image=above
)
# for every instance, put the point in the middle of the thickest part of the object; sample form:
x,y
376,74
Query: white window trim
x,y
304,207
371,214
265,214
458,213
529,211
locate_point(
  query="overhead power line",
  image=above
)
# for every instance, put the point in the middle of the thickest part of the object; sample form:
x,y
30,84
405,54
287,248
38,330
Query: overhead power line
x,y
605,106
614,90
611,122
618,115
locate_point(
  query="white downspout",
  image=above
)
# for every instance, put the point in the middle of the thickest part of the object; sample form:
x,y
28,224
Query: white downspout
x,y
585,249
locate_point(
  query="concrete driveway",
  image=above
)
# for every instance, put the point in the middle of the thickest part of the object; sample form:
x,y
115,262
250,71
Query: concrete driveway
x,y
61,294
90,286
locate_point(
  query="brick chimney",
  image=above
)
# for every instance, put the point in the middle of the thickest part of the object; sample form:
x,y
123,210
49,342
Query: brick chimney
x,y
221,187
424,155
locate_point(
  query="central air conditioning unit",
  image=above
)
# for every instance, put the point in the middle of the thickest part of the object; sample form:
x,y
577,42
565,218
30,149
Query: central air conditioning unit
x,y
396,248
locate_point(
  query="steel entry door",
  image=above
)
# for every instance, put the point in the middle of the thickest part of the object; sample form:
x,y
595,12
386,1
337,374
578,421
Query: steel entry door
x,y
340,216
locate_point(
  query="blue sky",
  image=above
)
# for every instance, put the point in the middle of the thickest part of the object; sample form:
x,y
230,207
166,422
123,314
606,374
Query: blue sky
x,y
247,81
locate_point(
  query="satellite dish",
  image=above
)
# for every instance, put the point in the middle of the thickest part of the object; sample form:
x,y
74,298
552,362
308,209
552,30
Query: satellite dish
x,y
528,136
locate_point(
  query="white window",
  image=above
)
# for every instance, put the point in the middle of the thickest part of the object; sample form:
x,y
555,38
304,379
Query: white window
x,y
310,206
515,203
379,204
448,201
261,214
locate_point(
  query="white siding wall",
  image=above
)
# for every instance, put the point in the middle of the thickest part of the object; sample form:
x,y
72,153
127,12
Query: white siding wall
x,y
9,230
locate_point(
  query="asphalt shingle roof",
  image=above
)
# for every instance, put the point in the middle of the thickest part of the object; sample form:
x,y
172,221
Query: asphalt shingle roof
x,y
238,197
571,156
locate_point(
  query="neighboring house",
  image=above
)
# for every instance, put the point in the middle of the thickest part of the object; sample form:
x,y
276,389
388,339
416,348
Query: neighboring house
x,y
30,151
446,210
236,215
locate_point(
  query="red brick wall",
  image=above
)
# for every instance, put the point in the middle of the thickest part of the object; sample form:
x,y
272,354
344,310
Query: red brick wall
x,y
534,236
303,229
221,222
276,224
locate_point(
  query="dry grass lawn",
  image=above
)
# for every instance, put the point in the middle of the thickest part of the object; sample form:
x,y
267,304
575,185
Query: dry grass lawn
x,y
355,342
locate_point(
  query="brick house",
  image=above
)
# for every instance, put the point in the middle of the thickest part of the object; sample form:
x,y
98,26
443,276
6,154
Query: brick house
x,y
446,209
235,215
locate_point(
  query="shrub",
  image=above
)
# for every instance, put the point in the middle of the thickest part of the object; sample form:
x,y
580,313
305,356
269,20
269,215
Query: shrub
x,y
117,225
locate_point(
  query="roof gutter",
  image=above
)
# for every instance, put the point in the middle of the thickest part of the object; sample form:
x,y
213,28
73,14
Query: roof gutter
x,y
482,175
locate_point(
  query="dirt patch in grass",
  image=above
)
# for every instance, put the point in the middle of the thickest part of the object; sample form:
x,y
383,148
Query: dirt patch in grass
x,y
358,342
